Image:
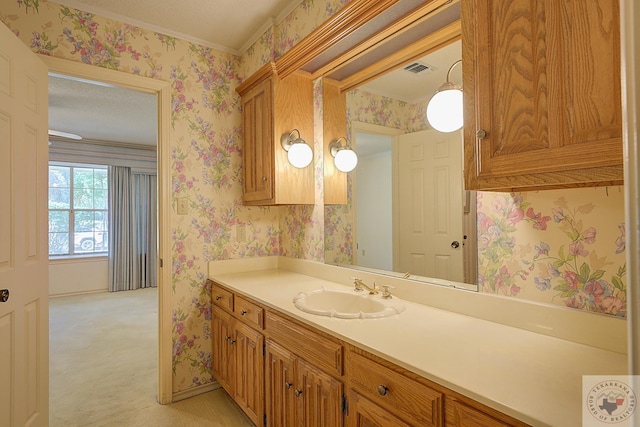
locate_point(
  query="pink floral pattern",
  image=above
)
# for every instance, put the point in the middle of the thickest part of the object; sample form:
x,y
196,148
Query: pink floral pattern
x,y
565,262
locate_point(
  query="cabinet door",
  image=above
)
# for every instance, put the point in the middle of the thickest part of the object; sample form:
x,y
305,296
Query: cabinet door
x,y
223,339
279,378
249,370
257,152
319,397
542,86
364,413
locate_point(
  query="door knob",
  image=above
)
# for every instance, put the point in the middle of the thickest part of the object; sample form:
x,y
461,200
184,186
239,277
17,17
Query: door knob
x,y
455,244
4,295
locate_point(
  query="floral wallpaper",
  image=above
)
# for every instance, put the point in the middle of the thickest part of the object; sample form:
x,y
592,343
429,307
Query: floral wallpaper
x,y
577,260
562,247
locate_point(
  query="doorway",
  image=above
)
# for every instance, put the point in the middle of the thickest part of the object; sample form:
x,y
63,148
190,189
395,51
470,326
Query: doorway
x,y
162,90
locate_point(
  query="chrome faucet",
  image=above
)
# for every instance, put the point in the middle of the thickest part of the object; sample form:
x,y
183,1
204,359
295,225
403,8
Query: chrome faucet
x,y
360,286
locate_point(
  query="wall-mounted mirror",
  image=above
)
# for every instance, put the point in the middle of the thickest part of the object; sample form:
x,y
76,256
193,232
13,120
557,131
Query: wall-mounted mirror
x,y
407,211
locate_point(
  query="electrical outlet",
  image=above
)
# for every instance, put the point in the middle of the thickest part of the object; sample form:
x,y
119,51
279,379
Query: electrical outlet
x,y
241,235
183,206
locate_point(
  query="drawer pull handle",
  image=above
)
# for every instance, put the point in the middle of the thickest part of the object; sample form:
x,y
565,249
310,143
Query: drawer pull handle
x,y
218,297
298,393
243,312
383,389
287,385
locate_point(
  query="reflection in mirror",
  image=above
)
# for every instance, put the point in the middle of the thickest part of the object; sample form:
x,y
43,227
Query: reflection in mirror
x,y
407,207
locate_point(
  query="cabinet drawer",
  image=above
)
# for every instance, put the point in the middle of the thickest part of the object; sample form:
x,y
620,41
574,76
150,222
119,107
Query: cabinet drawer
x,y
310,346
248,312
408,399
222,297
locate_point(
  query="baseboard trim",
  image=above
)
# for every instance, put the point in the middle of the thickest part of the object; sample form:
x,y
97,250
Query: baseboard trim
x,y
194,391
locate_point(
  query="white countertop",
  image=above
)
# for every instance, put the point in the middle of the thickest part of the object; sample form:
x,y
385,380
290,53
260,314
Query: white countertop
x,y
529,376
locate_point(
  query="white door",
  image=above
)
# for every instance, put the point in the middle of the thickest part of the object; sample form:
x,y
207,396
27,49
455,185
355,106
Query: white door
x,y
430,196
24,310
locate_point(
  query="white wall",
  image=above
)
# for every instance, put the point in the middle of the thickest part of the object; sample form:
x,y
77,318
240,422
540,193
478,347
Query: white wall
x,y
78,275
374,211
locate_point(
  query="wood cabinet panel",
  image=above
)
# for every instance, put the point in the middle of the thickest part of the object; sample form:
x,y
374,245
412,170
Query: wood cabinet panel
x,y
311,346
319,395
365,413
408,399
221,297
248,312
222,334
249,369
257,153
465,416
272,107
279,379
542,82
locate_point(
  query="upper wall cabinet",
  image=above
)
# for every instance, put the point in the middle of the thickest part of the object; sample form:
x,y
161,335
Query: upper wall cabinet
x,y
542,94
272,107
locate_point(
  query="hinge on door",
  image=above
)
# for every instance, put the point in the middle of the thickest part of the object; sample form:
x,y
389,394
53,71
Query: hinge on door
x,y
264,419
345,405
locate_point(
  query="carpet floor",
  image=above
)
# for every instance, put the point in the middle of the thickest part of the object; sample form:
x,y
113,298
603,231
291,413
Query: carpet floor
x,y
103,367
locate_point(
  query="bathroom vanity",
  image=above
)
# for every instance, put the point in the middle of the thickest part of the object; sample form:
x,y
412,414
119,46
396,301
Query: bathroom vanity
x,y
423,366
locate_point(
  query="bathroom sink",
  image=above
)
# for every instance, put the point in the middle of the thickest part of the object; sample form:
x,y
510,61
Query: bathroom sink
x,y
347,305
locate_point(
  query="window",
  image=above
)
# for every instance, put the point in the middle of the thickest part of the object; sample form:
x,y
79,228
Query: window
x,y
78,209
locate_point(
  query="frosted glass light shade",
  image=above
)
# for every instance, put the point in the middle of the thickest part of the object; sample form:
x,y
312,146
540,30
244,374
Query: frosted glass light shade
x,y
444,111
345,160
300,154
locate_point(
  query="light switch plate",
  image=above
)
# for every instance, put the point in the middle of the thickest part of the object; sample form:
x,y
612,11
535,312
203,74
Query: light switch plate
x,y
183,206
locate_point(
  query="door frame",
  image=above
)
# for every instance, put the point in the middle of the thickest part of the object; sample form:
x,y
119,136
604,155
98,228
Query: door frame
x,y
163,91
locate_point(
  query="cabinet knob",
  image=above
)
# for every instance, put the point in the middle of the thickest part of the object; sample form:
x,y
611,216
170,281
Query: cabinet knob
x,y
218,297
383,389
227,338
264,179
243,313
481,133
287,385
298,393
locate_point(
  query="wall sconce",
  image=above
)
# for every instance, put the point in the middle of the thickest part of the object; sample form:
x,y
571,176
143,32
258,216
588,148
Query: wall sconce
x,y
444,111
344,157
298,151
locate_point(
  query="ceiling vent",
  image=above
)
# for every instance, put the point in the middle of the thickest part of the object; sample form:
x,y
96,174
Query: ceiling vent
x,y
419,68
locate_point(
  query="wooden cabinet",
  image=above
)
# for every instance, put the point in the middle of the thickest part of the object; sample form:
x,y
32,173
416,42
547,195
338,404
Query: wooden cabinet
x,y
222,364
272,107
542,94
238,350
375,383
299,394
299,391
291,374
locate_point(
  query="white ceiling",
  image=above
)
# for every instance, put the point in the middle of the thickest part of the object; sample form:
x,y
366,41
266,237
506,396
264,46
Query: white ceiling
x,y
108,113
